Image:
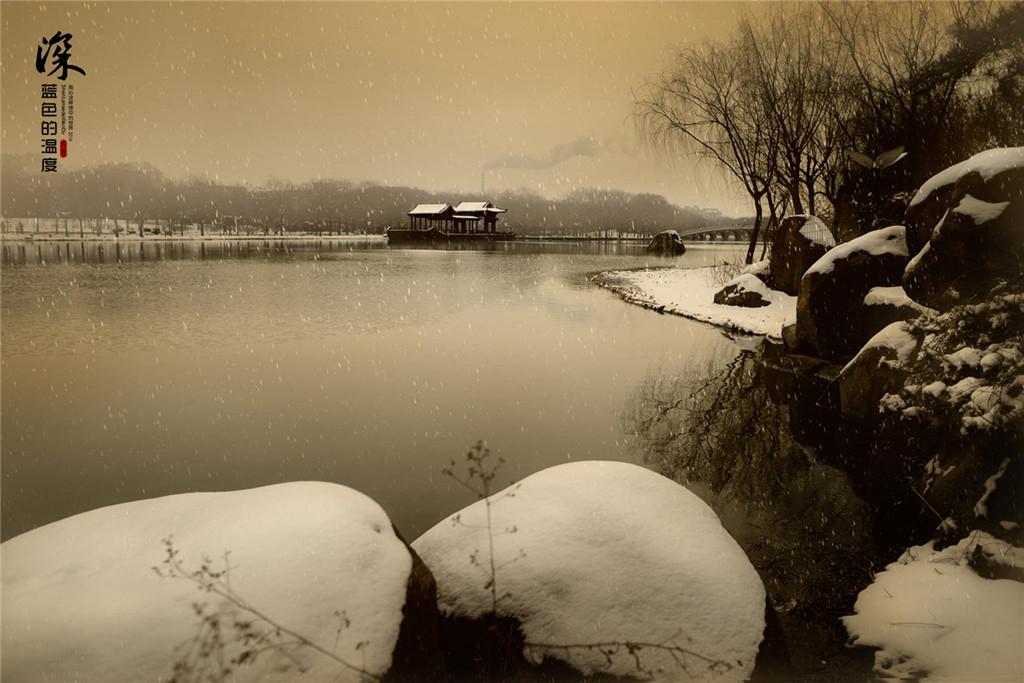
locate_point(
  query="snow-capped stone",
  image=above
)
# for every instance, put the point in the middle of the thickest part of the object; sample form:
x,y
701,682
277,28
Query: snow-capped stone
x,y
591,553
746,290
667,243
886,241
830,317
875,371
965,227
82,602
799,242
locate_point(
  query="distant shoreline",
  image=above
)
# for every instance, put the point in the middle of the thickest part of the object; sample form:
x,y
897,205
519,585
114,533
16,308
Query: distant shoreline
x,y
51,237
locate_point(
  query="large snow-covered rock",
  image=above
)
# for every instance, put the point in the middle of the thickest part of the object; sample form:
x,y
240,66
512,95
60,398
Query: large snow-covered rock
x,y
593,554
877,370
977,243
931,615
830,316
82,602
992,176
799,242
667,243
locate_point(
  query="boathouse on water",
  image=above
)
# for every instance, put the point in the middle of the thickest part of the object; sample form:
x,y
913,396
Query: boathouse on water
x,y
467,218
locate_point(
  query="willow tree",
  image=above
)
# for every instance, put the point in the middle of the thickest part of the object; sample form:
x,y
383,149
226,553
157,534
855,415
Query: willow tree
x,y
704,104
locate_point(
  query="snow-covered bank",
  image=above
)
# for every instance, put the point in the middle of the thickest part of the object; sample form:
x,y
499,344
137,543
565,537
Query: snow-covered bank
x,y
82,602
690,292
931,612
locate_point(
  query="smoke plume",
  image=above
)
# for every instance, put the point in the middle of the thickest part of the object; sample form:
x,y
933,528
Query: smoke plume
x,y
580,147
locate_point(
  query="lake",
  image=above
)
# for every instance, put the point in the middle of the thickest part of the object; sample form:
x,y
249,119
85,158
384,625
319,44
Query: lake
x,y
139,369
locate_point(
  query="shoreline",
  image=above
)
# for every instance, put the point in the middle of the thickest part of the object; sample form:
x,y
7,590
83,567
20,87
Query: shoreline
x,y
51,237
690,293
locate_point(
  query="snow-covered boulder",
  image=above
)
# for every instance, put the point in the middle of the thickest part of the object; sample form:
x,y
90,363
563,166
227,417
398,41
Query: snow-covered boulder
x,y
667,243
608,567
830,307
747,291
799,242
877,370
885,305
992,176
977,242
932,616
82,602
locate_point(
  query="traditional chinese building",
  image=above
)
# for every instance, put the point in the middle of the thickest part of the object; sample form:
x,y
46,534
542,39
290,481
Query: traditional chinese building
x,y
467,218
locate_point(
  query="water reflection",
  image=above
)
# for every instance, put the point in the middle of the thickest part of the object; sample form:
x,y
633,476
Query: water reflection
x,y
18,253
799,520
370,367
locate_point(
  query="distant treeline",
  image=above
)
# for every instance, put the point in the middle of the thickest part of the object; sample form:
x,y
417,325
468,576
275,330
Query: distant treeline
x,y
139,193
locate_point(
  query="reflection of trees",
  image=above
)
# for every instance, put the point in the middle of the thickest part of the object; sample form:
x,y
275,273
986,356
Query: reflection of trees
x,y
801,525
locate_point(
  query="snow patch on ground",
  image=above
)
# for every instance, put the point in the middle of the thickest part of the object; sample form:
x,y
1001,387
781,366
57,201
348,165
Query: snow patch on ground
x,y
929,613
81,600
891,240
606,552
690,292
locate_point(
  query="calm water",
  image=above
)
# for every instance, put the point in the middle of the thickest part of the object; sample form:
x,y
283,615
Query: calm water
x,y
138,370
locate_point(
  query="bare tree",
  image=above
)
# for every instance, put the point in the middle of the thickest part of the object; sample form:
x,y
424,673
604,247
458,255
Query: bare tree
x,y
704,104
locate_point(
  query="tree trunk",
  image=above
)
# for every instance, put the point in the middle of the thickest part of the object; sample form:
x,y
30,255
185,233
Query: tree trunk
x,y
758,213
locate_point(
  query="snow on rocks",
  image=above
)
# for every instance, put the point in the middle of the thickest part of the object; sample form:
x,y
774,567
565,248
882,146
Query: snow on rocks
x,y
81,599
931,614
747,290
889,240
875,371
831,319
690,293
965,227
987,164
592,553
799,241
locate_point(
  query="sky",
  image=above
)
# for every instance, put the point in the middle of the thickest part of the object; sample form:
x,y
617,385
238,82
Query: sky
x,y
442,96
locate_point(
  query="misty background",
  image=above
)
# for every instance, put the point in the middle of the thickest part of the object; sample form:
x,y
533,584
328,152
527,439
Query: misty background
x,y
459,100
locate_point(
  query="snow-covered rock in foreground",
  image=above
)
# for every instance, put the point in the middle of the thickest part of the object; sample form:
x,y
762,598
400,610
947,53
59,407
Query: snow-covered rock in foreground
x,y
690,292
82,602
591,553
930,613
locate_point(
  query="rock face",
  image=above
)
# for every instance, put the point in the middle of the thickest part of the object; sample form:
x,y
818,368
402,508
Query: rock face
x,y
81,599
746,290
800,241
830,316
604,552
667,243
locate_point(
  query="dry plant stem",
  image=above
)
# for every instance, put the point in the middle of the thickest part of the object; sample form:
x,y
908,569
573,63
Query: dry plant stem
x,y
211,583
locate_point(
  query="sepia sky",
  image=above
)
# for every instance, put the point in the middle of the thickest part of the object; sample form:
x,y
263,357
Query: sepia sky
x,y
422,94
